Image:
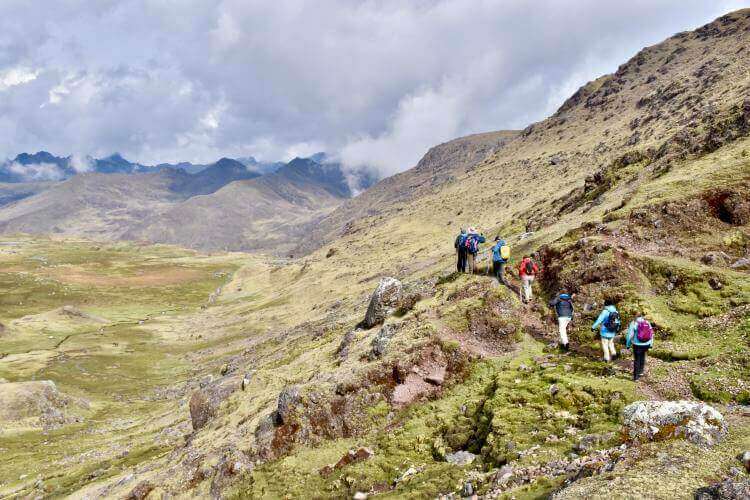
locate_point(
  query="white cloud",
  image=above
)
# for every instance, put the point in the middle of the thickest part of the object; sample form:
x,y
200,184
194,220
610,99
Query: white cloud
x,y
375,82
37,171
81,163
16,76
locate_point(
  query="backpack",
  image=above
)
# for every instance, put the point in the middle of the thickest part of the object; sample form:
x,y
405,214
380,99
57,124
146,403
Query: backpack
x,y
612,323
645,332
472,245
461,240
529,267
505,252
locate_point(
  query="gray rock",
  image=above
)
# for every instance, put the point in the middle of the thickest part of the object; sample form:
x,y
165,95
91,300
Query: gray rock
x,y
384,300
714,283
656,420
728,489
381,341
289,399
460,458
467,490
205,402
745,459
743,263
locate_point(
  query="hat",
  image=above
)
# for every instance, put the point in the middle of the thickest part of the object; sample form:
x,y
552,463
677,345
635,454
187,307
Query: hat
x,y
497,238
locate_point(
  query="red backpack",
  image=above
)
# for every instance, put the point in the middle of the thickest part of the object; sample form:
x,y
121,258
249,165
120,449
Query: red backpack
x,y
645,332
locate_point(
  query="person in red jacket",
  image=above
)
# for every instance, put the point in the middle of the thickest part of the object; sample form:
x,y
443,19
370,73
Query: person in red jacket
x,y
527,270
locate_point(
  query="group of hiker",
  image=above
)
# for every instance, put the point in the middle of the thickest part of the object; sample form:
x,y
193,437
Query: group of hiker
x,y
639,334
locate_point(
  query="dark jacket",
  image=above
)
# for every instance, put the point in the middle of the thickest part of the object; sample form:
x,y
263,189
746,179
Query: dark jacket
x,y
563,305
461,236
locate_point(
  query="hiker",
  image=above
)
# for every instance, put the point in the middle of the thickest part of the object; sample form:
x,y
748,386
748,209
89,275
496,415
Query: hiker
x,y
460,246
563,305
641,336
609,324
473,239
527,270
500,256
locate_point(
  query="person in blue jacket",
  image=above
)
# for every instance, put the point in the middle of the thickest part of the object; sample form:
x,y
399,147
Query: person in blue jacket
x,y
498,263
609,324
641,336
474,239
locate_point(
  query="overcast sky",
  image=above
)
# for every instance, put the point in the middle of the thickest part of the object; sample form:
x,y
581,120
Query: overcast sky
x,y
374,82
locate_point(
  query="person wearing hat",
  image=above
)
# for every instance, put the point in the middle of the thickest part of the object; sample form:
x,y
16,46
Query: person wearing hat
x,y
473,239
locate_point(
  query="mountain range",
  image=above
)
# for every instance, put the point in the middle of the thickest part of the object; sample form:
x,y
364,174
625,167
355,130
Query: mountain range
x,y
224,205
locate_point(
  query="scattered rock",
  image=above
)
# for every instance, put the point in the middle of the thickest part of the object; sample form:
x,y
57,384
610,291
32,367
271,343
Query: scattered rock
x,y
437,376
712,259
343,350
289,399
224,369
381,341
714,283
728,489
656,420
360,495
141,491
745,459
743,263
205,402
460,458
467,490
384,300
331,252
350,457
590,441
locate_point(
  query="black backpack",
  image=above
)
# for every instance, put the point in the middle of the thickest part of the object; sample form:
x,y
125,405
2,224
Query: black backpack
x,y
613,322
529,267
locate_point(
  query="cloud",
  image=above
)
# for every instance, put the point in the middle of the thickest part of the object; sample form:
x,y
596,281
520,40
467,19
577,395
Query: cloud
x,y
36,171
16,76
373,83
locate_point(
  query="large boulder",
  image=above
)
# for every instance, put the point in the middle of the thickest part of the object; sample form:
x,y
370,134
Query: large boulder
x,y
383,302
728,489
656,420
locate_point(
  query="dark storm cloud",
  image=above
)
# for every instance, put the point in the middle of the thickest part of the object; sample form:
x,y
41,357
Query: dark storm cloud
x,y
374,82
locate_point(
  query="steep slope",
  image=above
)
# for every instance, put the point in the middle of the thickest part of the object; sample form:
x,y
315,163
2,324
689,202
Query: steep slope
x,y
440,165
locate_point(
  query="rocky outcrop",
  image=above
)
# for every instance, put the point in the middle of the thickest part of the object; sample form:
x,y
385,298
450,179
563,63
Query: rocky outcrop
x,y
37,405
350,457
385,299
657,420
205,402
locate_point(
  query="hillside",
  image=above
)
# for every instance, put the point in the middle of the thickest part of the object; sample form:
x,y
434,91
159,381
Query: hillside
x,y
238,376
439,166
270,213
222,207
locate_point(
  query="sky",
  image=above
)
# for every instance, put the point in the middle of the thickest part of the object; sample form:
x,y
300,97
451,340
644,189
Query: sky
x,y
370,82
